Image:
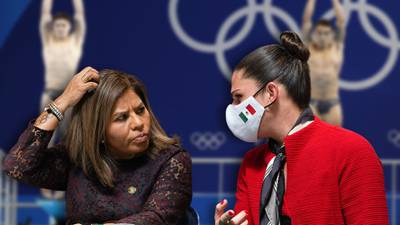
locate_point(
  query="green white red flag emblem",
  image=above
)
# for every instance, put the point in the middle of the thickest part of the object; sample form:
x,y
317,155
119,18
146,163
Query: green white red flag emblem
x,y
249,110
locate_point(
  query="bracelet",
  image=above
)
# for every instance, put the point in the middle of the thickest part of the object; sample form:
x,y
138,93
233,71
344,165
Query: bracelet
x,y
52,108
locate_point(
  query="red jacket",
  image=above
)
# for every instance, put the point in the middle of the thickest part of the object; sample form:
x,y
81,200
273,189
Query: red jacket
x,y
333,177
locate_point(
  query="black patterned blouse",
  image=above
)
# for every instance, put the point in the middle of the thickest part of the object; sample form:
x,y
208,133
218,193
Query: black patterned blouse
x,y
148,190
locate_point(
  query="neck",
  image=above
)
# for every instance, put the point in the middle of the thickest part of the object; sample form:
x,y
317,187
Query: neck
x,y
283,123
117,156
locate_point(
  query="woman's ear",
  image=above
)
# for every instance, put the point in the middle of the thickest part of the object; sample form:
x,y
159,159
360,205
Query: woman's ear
x,y
271,92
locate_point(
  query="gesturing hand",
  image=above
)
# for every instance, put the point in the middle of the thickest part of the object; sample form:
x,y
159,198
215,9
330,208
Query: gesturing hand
x,y
223,218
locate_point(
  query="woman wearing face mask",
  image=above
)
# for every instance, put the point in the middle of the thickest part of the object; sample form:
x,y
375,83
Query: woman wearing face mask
x,y
310,172
116,163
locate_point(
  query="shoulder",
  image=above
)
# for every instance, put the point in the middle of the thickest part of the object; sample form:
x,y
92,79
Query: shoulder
x,y
257,156
349,144
174,153
176,165
340,135
255,152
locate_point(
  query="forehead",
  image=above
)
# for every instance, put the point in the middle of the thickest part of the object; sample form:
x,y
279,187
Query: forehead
x,y
239,81
321,27
128,99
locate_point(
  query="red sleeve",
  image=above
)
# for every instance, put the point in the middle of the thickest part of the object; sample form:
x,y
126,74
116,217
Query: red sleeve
x,y
361,185
242,201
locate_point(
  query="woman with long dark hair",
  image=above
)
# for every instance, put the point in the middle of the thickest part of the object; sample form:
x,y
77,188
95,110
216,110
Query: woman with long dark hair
x,y
116,163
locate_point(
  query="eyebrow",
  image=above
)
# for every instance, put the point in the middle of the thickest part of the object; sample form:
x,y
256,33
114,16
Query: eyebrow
x,y
119,113
125,111
233,92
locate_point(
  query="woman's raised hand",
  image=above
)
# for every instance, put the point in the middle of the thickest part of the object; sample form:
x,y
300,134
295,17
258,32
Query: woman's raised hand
x,y
224,218
86,80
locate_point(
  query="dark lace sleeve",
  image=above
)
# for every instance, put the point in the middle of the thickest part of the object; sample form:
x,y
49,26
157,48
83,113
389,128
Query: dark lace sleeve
x,y
31,162
170,197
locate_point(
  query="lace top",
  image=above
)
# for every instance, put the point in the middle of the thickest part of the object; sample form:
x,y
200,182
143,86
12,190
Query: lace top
x,y
148,190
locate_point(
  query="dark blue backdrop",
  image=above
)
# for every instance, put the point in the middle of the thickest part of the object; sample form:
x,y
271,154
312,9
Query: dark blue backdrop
x,y
186,84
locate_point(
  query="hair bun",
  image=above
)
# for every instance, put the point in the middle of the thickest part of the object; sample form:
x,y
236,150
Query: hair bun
x,y
293,44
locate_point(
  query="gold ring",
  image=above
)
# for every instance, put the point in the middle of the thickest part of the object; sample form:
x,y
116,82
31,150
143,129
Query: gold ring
x,y
85,78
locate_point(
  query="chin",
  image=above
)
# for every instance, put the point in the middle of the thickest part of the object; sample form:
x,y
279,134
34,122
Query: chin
x,y
139,148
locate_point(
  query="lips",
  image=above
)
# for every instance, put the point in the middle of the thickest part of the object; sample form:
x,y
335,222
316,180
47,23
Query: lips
x,y
139,138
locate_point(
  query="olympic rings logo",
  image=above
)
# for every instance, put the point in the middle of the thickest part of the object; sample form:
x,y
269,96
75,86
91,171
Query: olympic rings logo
x,y
394,137
361,7
208,140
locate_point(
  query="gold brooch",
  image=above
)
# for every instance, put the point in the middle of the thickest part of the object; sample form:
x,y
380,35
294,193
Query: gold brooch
x,y
131,190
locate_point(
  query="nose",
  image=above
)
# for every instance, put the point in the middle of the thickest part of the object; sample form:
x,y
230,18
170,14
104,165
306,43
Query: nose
x,y
136,122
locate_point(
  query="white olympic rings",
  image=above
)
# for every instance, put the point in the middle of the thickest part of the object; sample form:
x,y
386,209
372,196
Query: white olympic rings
x,y
208,140
394,137
269,11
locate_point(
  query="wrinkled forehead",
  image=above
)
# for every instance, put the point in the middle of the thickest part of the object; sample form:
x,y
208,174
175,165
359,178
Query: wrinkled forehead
x,y
128,99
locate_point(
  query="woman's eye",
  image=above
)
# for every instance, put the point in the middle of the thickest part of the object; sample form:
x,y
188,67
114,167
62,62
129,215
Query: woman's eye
x,y
236,99
121,118
141,110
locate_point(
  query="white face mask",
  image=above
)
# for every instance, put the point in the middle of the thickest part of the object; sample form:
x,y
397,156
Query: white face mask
x,y
244,119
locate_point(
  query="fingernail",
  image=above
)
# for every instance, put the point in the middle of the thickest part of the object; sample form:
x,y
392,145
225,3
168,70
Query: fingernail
x,y
247,212
231,213
222,201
